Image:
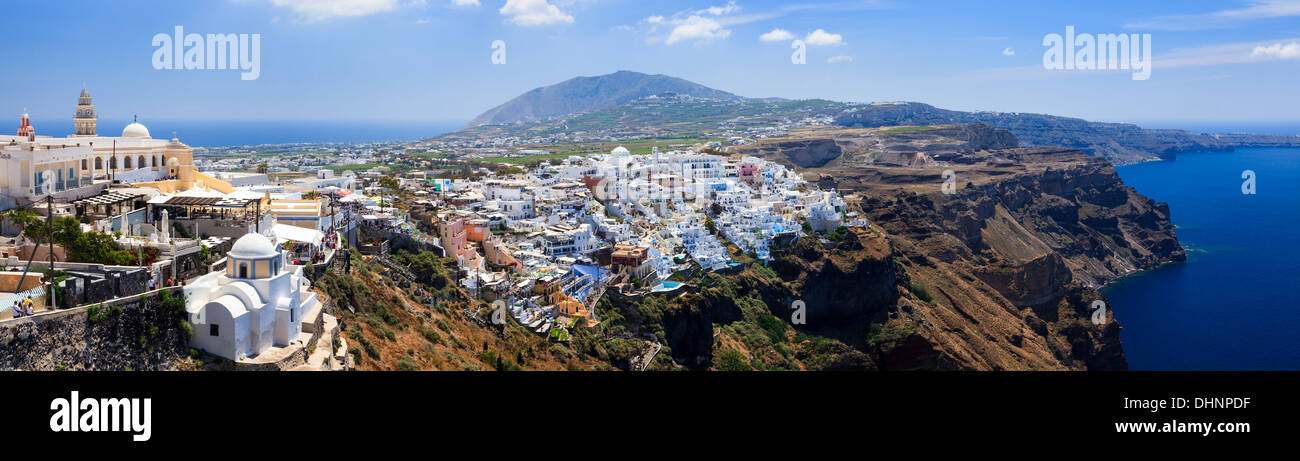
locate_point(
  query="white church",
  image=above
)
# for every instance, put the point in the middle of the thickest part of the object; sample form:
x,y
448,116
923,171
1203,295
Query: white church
x,y
258,303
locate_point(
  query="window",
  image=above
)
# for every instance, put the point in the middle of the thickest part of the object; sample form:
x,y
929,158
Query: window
x,y
243,271
214,330
291,315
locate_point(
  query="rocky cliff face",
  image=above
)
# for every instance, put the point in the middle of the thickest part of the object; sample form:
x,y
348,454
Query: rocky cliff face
x,y
143,333
999,274
1012,263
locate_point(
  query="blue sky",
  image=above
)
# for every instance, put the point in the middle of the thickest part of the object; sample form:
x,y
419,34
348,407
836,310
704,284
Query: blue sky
x,y
430,60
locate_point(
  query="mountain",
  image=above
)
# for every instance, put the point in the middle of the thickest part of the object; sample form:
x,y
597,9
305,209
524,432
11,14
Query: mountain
x,y
1121,143
586,94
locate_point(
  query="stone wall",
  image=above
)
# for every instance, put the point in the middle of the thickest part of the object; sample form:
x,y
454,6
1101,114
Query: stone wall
x,y
133,333
90,287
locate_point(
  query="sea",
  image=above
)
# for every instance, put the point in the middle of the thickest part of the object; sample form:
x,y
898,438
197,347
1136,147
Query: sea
x,y
1233,304
220,133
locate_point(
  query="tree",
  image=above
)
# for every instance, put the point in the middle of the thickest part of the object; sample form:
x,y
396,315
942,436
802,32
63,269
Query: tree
x,y
66,231
21,217
261,168
390,183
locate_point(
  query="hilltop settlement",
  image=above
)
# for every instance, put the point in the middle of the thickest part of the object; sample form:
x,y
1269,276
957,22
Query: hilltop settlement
x,y
684,229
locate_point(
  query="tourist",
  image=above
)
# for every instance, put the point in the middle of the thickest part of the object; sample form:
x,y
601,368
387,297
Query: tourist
x,y
150,284
17,309
27,306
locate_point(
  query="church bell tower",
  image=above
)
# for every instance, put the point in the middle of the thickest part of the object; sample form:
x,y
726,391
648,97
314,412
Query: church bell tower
x,y
85,117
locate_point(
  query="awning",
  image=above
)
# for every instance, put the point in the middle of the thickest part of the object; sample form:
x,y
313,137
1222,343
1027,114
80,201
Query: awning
x,y
285,232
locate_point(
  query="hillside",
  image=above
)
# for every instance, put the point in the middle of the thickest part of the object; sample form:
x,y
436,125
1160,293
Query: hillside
x,y
394,323
587,94
1000,274
630,105
1120,143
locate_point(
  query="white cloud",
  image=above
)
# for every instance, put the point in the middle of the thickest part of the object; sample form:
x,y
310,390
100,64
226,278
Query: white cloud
x,y
730,7
1203,56
1230,53
776,35
1008,51
1277,51
839,59
697,28
715,22
318,10
422,21
1222,19
533,13
820,37
464,2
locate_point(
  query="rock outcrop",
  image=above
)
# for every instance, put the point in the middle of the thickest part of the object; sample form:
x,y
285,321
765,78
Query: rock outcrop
x,y
1000,272
137,333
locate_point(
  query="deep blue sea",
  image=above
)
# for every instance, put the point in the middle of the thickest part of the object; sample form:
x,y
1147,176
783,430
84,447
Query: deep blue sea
x,y
1233,304
248,132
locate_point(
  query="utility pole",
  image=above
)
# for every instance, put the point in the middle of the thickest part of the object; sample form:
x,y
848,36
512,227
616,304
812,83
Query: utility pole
x,y
49,222
333,217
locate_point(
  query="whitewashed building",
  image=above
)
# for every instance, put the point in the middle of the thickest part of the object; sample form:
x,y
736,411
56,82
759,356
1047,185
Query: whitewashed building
x,y
256,304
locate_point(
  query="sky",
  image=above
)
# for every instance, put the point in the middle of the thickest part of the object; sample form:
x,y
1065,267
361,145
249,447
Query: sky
x,y
433,60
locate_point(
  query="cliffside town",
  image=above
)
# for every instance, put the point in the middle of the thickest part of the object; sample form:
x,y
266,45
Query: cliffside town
x,y
807,246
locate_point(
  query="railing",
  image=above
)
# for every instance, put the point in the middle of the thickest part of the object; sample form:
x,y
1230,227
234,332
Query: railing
x,y
7,299
220,265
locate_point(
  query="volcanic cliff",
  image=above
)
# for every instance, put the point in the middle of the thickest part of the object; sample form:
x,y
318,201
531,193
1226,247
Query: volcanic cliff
x,y
978,257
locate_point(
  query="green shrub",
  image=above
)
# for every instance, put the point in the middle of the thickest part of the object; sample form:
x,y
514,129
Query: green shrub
x,y
407,363
774,326
94,314
731,360
431,335
921,293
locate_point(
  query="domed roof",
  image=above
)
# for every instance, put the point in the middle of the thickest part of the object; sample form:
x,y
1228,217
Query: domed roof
x,y
135,130
253,246
620,151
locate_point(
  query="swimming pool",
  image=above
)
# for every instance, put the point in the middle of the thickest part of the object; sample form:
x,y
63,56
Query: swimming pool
x,y
667,286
